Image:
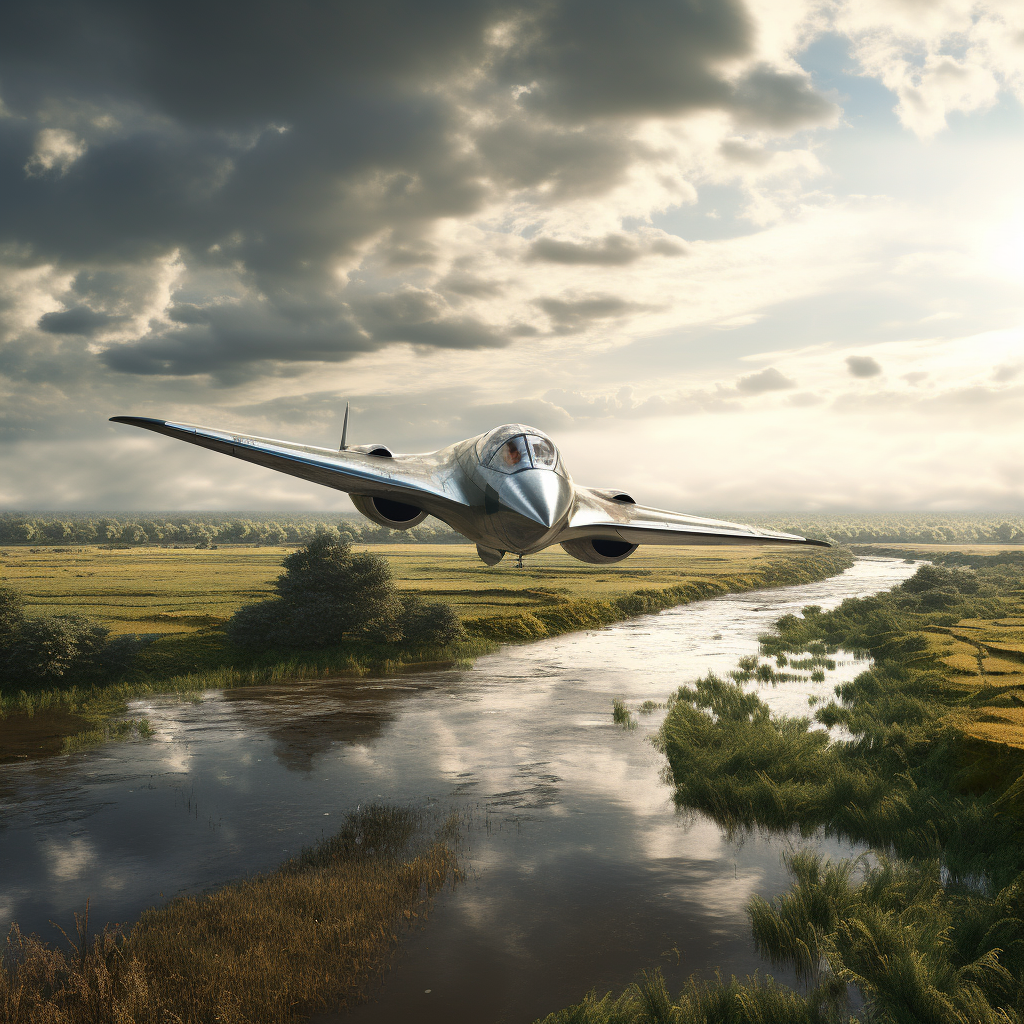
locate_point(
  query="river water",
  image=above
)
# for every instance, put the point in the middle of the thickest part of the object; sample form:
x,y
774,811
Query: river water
x,y
580,871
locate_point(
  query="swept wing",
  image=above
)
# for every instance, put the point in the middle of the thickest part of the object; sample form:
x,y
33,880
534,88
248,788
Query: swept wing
x,y
409,479
598,516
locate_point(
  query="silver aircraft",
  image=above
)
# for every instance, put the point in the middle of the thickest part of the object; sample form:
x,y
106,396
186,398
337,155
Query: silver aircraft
x,y
507,490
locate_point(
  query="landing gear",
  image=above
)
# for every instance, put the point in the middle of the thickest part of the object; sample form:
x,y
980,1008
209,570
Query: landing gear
x,y
519,561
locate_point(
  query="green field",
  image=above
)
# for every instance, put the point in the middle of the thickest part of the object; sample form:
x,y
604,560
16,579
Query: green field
x,y
159,590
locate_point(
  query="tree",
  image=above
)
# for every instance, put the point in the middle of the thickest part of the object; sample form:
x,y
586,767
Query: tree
x,y
12,615
325,593
56,648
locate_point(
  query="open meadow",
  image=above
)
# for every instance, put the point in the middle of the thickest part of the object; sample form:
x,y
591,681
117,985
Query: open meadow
x,y
181,600
166,590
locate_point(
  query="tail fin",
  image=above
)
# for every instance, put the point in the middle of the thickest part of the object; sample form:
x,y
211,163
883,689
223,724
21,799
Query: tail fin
x,y
344,431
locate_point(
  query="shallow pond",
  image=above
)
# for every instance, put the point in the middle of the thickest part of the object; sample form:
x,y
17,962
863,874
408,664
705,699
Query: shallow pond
x,y
580,872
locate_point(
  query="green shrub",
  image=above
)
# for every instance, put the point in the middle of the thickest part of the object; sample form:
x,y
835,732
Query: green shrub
x,y
55,649
325,594
938,577
433,623
11,616
509,628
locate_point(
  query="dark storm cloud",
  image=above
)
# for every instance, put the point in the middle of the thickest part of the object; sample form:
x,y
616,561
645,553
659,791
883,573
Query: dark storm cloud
x,y
862,366
520,153
421,318
611,251
595,58
231,63
231,341
265,143
766,380
764,98
569,316
78,320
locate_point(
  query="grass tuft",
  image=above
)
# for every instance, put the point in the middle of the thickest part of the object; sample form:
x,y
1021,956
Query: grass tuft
x,y
268,950
621,714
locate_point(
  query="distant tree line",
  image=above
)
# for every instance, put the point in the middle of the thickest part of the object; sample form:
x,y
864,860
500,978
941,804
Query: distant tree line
x,y
892,527
204,529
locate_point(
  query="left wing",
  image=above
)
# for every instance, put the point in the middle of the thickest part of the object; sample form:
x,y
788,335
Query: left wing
x,y
600,517
420,480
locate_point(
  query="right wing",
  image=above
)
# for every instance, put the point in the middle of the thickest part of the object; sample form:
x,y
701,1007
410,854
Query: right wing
x,y
419,480
601,517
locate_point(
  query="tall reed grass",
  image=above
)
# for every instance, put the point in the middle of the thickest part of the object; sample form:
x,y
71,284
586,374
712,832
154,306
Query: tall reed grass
x,y
267,950
930,927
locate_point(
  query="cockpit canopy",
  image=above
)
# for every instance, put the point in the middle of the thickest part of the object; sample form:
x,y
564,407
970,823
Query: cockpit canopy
x,y
516,446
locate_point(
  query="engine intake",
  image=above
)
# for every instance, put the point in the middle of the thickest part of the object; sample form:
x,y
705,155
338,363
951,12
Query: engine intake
x,y
384,512
599,551
382,451
626,499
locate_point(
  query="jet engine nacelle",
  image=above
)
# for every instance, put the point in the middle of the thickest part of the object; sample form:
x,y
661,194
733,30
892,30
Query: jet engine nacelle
x,y
394,514
598,551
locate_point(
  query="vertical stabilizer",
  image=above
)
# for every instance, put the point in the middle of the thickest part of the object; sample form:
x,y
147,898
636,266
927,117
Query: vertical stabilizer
x,y
344,430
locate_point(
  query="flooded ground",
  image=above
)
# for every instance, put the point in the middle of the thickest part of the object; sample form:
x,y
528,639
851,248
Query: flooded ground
x,y
580,871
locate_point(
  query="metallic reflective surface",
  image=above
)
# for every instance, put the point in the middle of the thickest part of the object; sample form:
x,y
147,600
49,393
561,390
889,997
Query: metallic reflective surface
x,y
521,503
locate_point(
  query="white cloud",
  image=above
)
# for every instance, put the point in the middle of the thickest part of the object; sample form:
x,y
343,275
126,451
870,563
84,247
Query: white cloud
x,y
938,58
56,149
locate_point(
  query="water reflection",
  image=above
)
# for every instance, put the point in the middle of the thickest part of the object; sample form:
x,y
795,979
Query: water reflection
x,y
581,872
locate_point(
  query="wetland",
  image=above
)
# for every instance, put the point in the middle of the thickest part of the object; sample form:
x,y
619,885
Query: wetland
x,y
579,869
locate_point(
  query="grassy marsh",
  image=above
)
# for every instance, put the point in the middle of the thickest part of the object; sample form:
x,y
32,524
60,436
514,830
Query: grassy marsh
x,y
930,927
186,596
157,590
267,950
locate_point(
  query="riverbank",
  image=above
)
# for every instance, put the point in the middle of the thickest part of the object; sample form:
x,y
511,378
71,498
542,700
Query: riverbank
x,y
931,928
271,949
558,802
560,596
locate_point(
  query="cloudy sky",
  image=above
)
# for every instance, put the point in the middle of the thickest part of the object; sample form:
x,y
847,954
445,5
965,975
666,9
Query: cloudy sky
x,y
732,255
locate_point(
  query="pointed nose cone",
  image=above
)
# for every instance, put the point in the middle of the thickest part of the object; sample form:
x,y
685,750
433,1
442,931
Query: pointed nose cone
x,y
537,494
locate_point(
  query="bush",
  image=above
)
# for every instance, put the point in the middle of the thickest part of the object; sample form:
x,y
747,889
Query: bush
x,y
938,577
11,615
434,623
327,593
57,648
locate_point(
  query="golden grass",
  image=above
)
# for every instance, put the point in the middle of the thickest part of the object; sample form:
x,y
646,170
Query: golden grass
x,y
156,590
1000,666
988,680
994,725
268,950
966,664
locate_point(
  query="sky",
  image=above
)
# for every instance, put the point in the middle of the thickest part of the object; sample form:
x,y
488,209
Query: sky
x,y
762,255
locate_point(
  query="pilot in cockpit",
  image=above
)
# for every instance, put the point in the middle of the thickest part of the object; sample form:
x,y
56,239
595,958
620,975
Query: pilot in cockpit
x,y
511,453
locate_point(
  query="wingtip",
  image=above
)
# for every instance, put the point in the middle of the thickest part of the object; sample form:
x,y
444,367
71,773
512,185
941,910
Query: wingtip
x,y
136,421
817,543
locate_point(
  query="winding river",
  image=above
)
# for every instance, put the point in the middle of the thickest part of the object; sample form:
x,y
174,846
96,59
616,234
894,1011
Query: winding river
x,y
580,871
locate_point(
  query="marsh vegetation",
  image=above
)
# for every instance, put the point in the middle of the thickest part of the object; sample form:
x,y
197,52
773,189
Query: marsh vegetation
x,y
930,927
205,619
267,950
